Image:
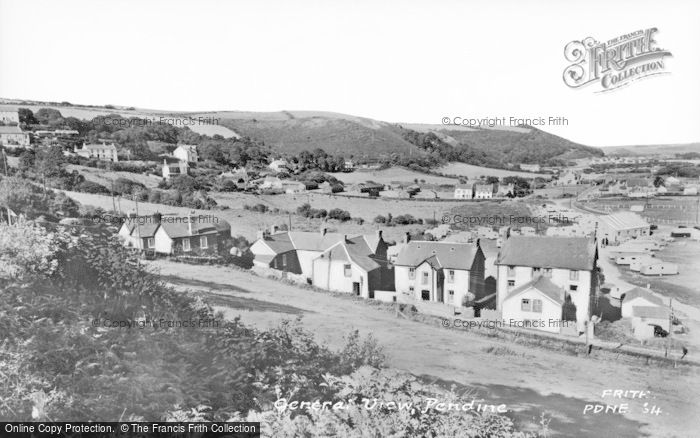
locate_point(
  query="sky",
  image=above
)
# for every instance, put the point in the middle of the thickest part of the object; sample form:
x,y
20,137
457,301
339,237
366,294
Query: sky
x,y
398,61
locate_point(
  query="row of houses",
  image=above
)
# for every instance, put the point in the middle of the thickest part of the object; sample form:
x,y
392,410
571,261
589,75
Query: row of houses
x,y
168,235
483,191
535,277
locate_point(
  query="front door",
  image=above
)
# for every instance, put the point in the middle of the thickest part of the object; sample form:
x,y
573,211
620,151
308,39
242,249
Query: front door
x,y
425,295
356,288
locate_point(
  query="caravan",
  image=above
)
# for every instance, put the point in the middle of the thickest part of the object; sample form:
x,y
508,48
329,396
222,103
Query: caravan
x,y
659,268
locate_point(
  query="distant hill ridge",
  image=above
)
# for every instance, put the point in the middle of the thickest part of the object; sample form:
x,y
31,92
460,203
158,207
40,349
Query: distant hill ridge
x,y
290,132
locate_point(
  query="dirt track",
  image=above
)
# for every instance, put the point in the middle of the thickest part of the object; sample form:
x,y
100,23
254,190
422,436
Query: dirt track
x,y
529,381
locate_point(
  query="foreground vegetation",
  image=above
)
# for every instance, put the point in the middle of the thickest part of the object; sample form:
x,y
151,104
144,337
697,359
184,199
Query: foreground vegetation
x,y
60,289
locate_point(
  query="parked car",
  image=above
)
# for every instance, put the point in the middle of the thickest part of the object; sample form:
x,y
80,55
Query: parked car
x,y
659,332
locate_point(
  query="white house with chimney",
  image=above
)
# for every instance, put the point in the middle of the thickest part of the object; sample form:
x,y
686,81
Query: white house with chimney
x,y
443,272
187,153
543,277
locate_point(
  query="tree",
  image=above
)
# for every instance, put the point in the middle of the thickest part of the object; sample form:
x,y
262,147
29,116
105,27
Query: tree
x,y
26,117
184,184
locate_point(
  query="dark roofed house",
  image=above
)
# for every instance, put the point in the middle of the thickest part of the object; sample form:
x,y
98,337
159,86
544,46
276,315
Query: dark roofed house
x,y
354,265
295,251
569,263
104,151
445,272
196,234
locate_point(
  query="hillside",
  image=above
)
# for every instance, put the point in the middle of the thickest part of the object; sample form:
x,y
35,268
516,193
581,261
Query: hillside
x,y
290,132
652,149
518,145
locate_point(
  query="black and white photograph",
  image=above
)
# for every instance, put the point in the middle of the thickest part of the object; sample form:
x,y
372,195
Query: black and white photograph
x,y
450,218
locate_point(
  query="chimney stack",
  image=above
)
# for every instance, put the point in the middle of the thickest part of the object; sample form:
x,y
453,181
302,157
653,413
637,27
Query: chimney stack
x,y
157,217
324,231
274,229
407,237
190,221
379,234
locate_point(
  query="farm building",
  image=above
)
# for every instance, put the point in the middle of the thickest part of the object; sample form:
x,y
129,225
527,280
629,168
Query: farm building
x,y
186,152
621,227
639,296
13,136
105,152
464,191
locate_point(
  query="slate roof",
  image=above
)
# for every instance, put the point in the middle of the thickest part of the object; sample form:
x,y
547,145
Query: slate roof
x,y
176,229
144,230
310,241
110,147
446,255
578,253
13,129
353,250
279,243
483,188
654,312
543,285
623,220
639,292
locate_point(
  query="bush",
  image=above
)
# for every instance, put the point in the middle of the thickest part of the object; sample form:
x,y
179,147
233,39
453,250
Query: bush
x,y
91,187
258,208
341,215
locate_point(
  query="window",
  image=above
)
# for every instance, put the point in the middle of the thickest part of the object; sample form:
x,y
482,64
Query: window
x,y
511,284
537,306
451,276
151,242
525,305
284,260
347,270
547,272
511,271
451,295
411,289
573,275
203,242
411,273
186,244
425,278
573,287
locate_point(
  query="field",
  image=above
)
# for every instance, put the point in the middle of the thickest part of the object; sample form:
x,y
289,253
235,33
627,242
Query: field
x,y
365,208
474,172
88,113
246,223
105,177
393,174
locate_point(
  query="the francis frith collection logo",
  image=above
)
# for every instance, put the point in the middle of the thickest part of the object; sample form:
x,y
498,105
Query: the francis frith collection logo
x,y
614,63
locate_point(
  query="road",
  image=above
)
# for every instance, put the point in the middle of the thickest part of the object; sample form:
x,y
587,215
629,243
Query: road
x,y
530,381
